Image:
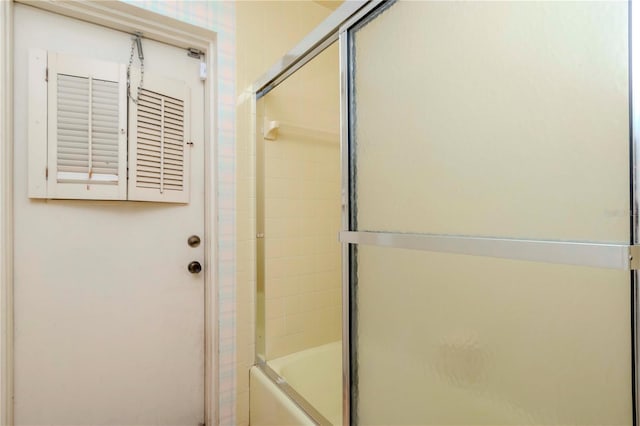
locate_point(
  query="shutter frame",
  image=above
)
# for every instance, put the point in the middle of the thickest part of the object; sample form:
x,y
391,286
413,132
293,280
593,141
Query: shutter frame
x,y
149,126
37,127
65,184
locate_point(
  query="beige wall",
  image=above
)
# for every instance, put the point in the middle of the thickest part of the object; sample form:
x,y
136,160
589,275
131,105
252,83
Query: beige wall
x,y
302,209
265,31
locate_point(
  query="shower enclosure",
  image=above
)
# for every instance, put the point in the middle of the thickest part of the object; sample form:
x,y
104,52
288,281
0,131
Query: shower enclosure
x,y
489,210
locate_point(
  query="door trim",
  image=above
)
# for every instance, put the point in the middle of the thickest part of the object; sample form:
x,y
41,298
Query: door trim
x,y
6,212
126,18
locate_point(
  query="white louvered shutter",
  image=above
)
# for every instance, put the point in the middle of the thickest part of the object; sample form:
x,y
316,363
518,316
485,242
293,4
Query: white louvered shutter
x,y
159,125
86,129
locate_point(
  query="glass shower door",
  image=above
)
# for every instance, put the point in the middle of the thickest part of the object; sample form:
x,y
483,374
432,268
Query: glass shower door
x,y
489,213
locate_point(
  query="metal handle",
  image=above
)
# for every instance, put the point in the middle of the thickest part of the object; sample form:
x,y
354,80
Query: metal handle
x,y
193,241
194,267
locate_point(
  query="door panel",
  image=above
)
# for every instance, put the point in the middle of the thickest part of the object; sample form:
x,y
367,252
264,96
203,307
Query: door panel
x,y
109,323
497,120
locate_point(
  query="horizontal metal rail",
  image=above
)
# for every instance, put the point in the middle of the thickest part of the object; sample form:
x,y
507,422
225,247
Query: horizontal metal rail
x,y
597,255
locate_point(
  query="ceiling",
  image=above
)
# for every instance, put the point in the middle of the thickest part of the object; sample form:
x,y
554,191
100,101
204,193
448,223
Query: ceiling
x,y
329,4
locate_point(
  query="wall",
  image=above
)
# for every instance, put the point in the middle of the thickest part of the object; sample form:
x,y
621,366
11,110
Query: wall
x,y
302,209
265,31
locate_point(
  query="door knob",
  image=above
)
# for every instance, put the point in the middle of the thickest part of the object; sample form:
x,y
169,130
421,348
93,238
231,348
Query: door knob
x,y
193,241
194,267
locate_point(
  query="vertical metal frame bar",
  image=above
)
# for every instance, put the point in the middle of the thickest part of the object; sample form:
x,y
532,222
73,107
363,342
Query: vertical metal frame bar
x,y
349,208
634,161
344,167
260,297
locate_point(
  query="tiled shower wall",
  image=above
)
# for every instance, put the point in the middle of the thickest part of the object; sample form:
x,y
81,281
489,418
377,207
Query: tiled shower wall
x,y
219,16
302,210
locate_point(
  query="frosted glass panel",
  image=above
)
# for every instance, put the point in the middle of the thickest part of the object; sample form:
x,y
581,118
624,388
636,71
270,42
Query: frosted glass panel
x,y
449,339
493,118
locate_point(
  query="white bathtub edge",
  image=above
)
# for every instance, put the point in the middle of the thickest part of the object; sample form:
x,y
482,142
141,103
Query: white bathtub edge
x,y
269,406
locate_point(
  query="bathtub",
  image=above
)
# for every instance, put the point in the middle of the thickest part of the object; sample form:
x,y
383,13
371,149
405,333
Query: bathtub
x,y
316,374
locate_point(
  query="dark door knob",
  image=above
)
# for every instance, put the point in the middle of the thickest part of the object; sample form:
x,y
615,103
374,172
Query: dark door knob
x,y
193,241
194,267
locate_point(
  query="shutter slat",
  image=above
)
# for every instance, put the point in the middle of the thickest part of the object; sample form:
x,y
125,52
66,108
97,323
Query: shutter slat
x,y
173,157
149,146
149,125
104,169
174,114
173,121
76,149
174,104
149,154
150,180
176,144
167,165
150,96
174,129
101,128
105,120
148,108
72,115
153,115
108,150
150,171
99,158
101,142
150,120
75,107
150,139
149,133
171,151
76,142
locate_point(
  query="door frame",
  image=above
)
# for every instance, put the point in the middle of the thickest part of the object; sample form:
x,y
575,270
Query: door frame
x,y
129,19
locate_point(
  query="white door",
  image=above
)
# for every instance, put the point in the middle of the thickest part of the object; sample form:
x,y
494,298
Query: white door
x,y
109,323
